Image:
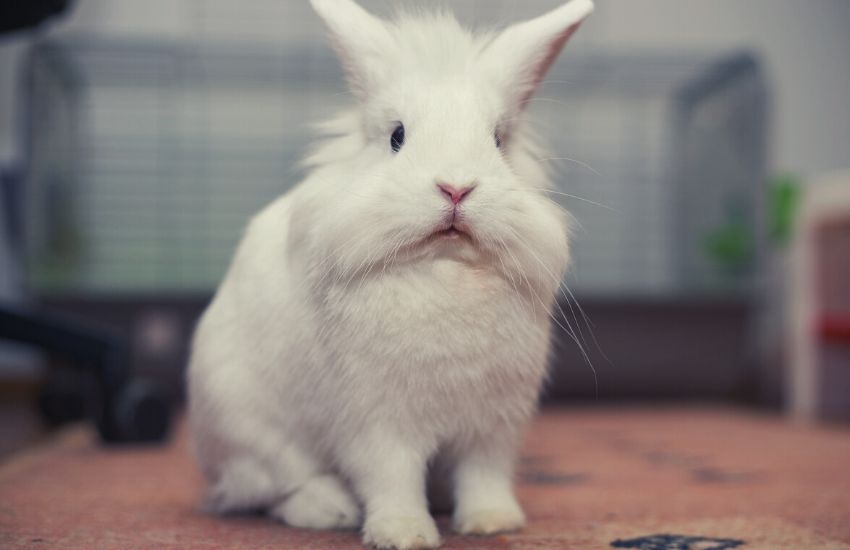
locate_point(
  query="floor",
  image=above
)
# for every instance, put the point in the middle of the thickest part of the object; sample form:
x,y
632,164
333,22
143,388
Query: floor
x,y
684,478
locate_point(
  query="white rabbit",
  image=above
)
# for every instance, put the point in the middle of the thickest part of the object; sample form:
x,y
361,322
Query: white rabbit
x,y
390,315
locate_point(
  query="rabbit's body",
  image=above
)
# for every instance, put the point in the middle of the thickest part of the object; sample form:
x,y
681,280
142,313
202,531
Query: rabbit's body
x,y
373,325
437,369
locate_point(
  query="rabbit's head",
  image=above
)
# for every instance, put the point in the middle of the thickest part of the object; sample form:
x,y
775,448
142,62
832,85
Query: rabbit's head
x,y
433,161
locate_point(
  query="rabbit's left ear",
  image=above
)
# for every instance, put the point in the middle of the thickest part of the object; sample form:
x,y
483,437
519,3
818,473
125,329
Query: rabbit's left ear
x,y
361,41
521,55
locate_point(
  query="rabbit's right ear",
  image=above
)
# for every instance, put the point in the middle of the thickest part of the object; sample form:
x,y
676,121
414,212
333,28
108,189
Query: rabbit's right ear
x,y
360,39
522,54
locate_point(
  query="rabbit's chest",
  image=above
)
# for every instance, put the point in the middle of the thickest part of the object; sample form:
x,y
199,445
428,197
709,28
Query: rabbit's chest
x,y
453,351
451,307
453,328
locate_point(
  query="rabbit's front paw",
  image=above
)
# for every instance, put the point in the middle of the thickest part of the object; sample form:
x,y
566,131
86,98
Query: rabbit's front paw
x,y
489,521
401,533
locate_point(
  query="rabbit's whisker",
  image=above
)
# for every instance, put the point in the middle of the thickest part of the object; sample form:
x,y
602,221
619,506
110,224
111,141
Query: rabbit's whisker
x,y
571,331
575,161
561,193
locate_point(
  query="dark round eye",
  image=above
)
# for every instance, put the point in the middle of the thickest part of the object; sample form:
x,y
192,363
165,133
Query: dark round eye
x,y
397,139
498,139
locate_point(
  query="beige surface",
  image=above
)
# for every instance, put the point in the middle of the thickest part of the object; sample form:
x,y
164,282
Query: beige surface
x,y
588,478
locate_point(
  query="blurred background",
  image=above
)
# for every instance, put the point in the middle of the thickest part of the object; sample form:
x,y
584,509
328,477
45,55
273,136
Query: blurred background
x,y
703,143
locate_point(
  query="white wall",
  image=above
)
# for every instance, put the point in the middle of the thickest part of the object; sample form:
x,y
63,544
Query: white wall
x,y
804,44
805,47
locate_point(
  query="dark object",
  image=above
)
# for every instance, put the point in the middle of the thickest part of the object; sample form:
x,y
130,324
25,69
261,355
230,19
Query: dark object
x,y
16,16
541,477
62,398
716,475
677,542
124,410
141,412
709,335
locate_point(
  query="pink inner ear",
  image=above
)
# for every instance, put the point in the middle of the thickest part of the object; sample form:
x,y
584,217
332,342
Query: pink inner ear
x,y
541,68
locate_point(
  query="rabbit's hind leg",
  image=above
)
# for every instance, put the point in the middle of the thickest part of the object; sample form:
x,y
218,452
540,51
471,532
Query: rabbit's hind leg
x,y
245,485
259,480
323,502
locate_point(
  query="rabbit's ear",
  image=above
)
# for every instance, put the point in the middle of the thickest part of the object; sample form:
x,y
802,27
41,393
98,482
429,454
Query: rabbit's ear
x,y
521,55
360,39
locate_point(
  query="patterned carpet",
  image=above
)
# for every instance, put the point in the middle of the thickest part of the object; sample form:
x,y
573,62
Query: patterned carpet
x,y
604,478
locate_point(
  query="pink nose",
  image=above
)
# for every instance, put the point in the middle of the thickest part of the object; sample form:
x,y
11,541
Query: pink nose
x,y
453,193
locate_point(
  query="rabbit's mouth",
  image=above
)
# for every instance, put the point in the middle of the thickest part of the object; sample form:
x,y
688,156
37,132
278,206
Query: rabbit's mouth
x,y
455,231
450,233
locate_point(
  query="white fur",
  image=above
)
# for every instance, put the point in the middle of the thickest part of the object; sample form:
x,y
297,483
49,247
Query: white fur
x,y
345,352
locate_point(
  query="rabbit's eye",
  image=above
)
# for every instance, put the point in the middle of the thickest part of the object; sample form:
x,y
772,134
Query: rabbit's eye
x,y
397,139
498,139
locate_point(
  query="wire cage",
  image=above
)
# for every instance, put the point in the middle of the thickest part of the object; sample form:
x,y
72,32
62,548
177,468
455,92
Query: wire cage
x,y
146,161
